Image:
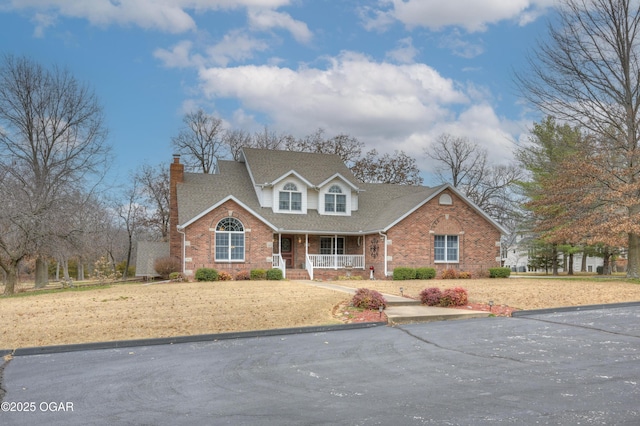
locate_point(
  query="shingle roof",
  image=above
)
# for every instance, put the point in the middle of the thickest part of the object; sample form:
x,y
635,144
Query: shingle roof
x,y
266,166
379,205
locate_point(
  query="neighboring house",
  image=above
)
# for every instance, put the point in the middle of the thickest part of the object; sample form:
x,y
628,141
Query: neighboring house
x,y
306,214
518,258
147,253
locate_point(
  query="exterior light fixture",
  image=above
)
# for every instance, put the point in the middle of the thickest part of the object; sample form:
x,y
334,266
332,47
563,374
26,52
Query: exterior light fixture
x,y
380,308
490,305
401,291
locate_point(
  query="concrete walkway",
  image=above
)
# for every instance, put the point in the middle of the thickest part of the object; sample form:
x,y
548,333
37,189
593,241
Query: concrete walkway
x,y
402,310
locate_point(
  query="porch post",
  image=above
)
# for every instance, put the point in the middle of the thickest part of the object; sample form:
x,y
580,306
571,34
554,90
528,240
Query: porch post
x,y
335,252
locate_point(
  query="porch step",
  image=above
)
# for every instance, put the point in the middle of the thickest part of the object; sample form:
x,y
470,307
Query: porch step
x,y
297,274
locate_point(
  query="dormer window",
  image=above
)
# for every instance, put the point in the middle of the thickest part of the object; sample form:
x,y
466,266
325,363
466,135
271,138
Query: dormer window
x,y
290,199
335,200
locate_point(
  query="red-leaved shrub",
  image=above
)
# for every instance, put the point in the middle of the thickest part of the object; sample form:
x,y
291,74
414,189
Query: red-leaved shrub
x,y
431,296
454,297
166,265
464,275
368,299
449,274
243,275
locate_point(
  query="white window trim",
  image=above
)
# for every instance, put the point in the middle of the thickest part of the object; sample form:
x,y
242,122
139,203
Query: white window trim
x,y
446,248
229,247
344,192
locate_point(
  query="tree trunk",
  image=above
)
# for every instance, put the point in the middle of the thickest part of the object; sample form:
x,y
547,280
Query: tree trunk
x,y
42,272
583,264
65,270
570,264
11,279
554,260
606,262
80,270
633,264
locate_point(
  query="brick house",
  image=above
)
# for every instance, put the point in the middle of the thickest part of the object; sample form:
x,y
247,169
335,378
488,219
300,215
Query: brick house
x,y
306,214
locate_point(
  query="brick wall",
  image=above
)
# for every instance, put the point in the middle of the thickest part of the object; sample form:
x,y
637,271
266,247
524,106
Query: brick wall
x,y
200,251
413,238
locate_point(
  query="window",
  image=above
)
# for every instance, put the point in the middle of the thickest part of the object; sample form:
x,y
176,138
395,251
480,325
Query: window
x,y
330,245
229,240
446,248
335,200
290,198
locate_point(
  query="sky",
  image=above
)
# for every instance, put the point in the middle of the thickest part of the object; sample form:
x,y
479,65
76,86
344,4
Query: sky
x,y
395,74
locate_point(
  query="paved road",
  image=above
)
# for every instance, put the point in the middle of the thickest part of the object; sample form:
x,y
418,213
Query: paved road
x,y
564,368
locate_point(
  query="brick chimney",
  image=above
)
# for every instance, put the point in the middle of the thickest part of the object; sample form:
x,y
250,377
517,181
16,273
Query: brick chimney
x,y
176,176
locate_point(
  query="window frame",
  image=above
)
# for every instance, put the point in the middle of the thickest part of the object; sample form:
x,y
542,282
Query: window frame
x,y
229,243
333,250
443,248
334,198
290,191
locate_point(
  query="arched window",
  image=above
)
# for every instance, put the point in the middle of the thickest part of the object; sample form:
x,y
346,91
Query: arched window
x,y
229,240
335,200
290,198
446,200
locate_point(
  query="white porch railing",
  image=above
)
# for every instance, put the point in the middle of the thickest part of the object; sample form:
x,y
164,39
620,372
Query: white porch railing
x,y
278,262
335,261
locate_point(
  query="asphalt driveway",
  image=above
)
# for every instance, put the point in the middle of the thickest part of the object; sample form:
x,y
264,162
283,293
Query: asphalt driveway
x,y
576,367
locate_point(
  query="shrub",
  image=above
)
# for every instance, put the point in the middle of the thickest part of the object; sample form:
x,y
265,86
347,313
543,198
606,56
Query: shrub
x,y
258,274
243,275
464,275
274,274
365,298
499,272
206,274
404,273
449,274
176,276
166,265
224,276
431,296
425,273
454,297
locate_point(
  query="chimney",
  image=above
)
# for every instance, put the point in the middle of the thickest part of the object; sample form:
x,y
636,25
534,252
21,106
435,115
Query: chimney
x,y
176,176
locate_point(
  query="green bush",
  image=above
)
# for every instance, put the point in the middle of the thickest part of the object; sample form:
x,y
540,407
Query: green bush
x,y
499,272
274,274
404,273
425,273
206,274
176,276
258,274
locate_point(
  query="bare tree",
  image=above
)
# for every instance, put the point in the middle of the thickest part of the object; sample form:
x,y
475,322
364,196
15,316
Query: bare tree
x,y
395,169
236,140
588,73
154,188
53,140
132,215
348,148
459,161
200,141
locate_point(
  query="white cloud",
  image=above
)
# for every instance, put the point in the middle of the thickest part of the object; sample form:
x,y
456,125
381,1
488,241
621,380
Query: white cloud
x,y
262,19
235,46
461,47
164,15
179,56
387,106
472,15
404,53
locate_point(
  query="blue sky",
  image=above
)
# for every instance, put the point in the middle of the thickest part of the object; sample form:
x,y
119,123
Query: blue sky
x,y
396,74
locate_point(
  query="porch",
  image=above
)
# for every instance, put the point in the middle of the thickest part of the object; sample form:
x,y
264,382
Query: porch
x,y
345,262
316,253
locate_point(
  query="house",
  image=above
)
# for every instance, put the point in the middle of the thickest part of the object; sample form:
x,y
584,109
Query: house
x,y
306,214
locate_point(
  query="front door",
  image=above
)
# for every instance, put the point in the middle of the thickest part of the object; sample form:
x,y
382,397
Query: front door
x,y
286,250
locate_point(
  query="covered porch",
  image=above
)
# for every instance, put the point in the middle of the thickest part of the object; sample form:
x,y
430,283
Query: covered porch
x,y
344,253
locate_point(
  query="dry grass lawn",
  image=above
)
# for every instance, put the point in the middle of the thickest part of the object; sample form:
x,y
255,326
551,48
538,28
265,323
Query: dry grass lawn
x,y
135,311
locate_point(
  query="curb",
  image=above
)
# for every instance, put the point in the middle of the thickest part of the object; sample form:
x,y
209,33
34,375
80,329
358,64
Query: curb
x,y
573,309
41,350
